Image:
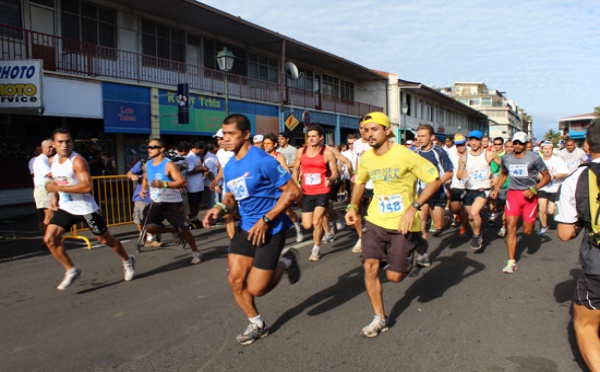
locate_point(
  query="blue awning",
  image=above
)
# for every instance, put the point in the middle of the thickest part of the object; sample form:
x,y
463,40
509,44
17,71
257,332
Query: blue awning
x,y
576,135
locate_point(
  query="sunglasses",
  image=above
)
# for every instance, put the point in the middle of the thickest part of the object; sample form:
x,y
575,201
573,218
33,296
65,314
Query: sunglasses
x,y
517,143
154,147
497,144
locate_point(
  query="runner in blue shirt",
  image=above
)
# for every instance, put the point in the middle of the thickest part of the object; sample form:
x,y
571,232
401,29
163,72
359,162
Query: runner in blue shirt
x,y
261,190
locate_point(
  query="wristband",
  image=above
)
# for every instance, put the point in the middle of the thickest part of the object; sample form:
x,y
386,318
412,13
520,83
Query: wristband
x,y
165,184
354,171
222,206
353,206
533,190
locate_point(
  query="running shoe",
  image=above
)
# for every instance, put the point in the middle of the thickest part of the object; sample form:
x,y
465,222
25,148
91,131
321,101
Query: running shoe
x,y
315,256
455,223
543,231
154,244
328,238
476,243
502,232
432,228
196,257
293,272
252,333
492,218
462,233
423,260
299,237
377,325
129,268
70,276
511,267
340,224
357,247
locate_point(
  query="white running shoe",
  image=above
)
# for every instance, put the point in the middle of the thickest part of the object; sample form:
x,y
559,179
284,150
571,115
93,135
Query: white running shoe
x,y
511,267
328,238
70,276
315,256
196,257
373,329
340,224
129,268
299,237
357,247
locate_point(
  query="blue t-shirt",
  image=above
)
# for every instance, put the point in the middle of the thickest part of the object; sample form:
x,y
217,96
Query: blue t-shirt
x,y
439,158
138,169
254,181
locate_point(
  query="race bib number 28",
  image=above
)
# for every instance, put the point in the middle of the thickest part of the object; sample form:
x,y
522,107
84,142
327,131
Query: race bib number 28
x,y
238,188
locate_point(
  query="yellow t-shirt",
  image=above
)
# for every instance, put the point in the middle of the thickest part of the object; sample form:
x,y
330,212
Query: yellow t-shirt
x,y
394,176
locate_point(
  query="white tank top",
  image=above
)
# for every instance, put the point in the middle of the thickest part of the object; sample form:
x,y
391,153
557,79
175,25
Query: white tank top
x,y
63,175
479,172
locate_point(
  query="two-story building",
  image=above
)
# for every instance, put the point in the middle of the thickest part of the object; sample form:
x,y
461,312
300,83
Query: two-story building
x,y
110,69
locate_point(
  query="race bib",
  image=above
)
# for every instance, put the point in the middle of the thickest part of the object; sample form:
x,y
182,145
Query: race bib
x,y
478,175
390,204
238,188
572,163
155,192
312,179
518,170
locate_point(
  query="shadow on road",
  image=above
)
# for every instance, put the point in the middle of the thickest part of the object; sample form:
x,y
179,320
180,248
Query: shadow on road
x,y
445,274
348,286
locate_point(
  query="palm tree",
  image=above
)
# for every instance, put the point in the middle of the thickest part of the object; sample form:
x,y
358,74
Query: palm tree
x,y
552,136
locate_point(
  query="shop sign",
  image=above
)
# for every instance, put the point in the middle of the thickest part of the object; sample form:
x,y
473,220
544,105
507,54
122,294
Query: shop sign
x,y
21,86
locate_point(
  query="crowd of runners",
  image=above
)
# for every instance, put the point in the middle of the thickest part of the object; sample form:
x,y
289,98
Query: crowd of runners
x,y
398,195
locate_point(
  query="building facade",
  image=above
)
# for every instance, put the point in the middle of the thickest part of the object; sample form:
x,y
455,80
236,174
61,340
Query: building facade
x,y
574,127
110,71
505,116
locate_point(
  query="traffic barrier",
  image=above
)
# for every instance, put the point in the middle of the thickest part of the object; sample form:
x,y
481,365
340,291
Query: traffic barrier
x,y
113,195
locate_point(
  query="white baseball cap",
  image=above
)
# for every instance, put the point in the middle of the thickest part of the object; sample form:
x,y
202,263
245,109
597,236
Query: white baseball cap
x,y
258,138
521,137
219,134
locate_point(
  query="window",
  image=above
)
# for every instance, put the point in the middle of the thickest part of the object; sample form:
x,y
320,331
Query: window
x,y
164,43
486,101
88,23
46,3
346,90
263,68
305,81
210,48
11,15
331,86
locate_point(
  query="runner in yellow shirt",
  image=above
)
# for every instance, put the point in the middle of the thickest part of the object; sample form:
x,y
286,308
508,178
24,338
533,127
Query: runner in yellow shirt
x,y
392,229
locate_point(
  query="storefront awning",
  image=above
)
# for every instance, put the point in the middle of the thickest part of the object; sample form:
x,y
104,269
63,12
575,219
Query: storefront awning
x,y
576,135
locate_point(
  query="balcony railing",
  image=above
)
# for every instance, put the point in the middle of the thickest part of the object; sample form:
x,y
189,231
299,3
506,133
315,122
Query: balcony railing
x,y
86,59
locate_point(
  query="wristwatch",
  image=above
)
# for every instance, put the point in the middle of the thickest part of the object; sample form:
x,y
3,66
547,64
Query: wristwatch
x,y
266,219
416,205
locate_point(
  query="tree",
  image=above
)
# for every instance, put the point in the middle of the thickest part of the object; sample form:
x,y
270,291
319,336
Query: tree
x,y
552,136
597,114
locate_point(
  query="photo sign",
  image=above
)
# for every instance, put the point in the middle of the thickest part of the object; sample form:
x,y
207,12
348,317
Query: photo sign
x,y
21,86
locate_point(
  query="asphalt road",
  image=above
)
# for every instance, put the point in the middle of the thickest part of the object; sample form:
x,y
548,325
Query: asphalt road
x,y
462,314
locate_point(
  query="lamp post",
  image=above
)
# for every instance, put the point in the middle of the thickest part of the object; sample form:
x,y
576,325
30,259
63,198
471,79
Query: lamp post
x,y
404,112
225,59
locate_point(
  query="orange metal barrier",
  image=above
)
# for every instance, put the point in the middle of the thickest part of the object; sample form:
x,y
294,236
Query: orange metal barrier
x,y
113,195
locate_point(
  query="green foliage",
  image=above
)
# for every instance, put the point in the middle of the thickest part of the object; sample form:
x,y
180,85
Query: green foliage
x,y
552,136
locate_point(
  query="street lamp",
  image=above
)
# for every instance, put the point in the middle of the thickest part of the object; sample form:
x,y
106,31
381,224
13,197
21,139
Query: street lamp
x,y
225,59
404,112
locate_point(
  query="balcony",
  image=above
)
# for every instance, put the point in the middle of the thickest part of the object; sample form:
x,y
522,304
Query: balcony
x,y
85,59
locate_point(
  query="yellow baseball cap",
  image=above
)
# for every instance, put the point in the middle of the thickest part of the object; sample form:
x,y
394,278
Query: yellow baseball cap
x,y
380,118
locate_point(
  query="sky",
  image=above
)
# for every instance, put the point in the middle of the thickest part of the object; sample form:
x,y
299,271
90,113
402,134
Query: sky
x,y
545,54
